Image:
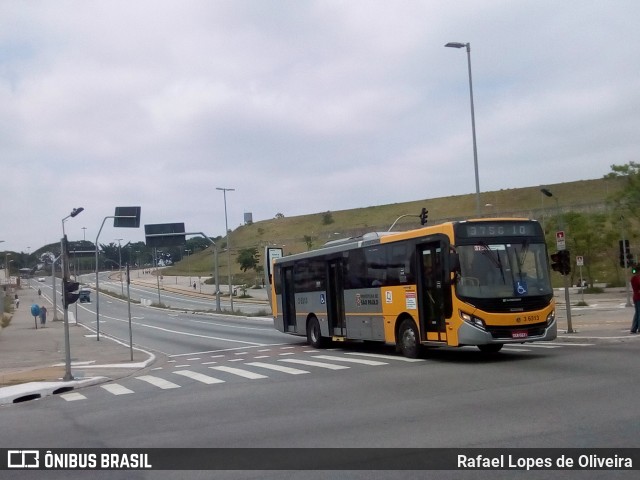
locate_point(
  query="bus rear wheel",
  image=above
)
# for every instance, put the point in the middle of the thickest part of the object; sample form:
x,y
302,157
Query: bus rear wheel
x,y
314,335
491,347
408,338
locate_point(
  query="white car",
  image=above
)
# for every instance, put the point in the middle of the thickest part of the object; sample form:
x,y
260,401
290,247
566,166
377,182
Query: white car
x,y
41,279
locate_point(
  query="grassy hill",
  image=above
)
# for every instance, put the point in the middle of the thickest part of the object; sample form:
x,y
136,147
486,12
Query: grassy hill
x,y
296,233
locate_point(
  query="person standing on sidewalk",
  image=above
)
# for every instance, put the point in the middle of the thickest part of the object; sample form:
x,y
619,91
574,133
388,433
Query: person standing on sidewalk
x,y
635,285
43,315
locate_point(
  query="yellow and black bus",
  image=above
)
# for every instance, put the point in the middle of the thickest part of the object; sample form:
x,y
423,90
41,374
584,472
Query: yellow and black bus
x,y
482,283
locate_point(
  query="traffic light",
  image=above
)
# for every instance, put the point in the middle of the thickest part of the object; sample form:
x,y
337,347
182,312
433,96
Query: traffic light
x,y
71,292
561,262
565,262
626,257
556,262
423,216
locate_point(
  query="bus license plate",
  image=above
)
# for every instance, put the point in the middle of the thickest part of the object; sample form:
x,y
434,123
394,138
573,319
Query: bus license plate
x,y
520,334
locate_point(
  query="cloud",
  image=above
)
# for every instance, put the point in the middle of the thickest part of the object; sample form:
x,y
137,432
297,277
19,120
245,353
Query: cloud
x,y
302,107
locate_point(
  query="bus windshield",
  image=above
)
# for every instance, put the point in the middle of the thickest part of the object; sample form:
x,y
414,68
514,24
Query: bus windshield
x,y
503,270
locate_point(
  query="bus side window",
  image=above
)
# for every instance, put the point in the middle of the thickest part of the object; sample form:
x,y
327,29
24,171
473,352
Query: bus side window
x,y
355,270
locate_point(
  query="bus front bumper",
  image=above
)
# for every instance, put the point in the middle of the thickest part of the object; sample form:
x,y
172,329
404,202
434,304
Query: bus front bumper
x,y
469,334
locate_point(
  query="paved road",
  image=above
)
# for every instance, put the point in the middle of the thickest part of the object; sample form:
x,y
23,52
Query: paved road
x,y
559,397
578,391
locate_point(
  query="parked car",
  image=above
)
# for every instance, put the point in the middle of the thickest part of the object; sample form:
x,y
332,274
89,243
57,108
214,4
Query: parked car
x,y
41,279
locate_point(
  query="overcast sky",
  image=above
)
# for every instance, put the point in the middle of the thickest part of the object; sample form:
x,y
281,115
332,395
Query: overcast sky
x,y
301,106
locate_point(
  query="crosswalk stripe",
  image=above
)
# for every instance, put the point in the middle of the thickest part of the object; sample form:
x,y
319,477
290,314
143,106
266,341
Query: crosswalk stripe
x,y
540,345
507,349
199,377
278,368
386,357
240,372
158,382
72,397
350,360
116,389
311,363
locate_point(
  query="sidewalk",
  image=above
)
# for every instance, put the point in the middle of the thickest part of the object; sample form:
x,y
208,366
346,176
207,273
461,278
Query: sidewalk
x,y
33,361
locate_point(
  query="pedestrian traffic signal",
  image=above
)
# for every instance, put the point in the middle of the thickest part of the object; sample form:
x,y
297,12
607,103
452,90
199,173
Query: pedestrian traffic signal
x,y
561,262
423,216
71,292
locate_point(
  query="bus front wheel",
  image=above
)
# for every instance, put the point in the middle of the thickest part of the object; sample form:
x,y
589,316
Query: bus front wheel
x,y
491,347
314,336
409,340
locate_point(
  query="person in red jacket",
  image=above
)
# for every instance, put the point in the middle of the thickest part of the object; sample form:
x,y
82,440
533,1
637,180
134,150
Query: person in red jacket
x,y
635,285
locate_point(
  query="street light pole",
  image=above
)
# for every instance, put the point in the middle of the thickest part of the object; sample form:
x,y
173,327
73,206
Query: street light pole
x,y
226,226
64,265
120,264
473,120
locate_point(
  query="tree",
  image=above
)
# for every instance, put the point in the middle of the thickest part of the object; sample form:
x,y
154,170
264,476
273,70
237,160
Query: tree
x,y
627,200
327,218
196,244
248,258
309,241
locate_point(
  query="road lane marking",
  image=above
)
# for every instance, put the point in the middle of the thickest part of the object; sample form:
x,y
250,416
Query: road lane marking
x,y
72,397
350,360
255,345
116,389
278,368
387,357
311,363
199,377
240,372
158,382
208,337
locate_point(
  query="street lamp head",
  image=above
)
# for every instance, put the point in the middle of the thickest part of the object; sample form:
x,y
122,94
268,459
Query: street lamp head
x,y
457,45
76,211
546,192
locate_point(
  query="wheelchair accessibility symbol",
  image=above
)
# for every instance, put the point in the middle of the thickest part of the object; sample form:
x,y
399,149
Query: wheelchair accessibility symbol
x,y
521,288
322,299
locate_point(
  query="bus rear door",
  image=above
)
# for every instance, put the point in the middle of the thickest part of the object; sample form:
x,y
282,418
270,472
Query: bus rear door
x,y
288,300
335,298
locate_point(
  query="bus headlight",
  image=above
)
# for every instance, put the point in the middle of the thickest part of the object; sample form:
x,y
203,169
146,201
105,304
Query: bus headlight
x,y
471,320
551,317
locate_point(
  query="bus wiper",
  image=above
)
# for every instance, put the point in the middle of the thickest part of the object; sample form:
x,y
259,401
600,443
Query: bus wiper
x,y
494,257
521,258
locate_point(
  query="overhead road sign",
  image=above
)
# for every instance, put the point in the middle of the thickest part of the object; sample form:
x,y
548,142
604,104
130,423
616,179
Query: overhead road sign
x,y
165,235
127,217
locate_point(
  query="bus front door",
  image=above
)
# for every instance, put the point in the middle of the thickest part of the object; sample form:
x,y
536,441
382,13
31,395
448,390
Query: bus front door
x,y
335,298
431,295
288,300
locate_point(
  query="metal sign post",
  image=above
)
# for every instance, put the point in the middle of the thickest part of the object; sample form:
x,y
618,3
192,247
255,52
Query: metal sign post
x,y
561,244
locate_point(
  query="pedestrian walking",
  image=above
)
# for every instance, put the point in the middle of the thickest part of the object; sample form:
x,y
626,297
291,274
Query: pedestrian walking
x,y
16,301
43,315
635,285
